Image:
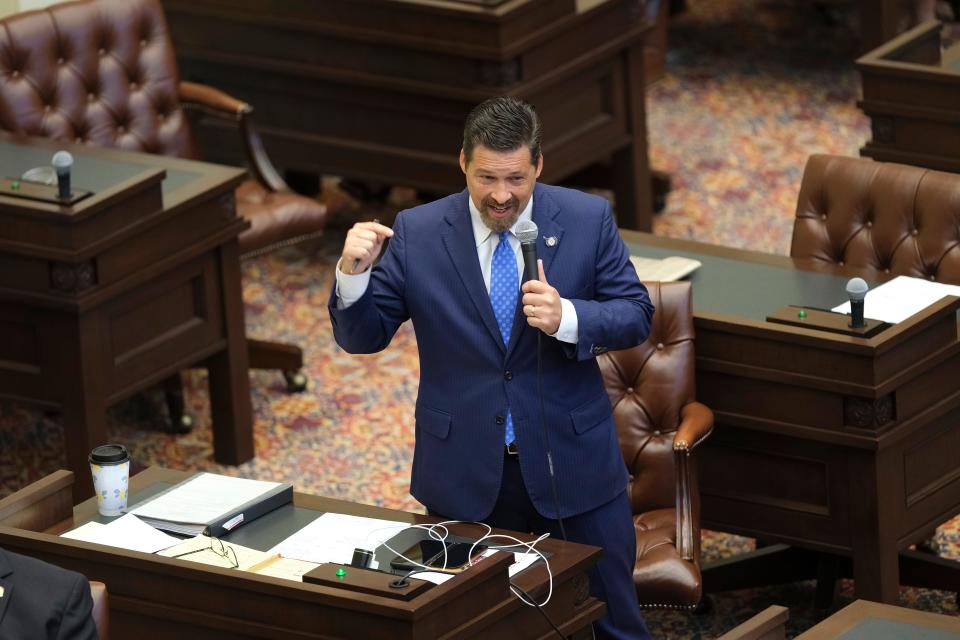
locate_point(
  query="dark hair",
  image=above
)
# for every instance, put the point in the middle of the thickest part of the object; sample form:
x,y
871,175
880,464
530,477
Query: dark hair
x,y
502,124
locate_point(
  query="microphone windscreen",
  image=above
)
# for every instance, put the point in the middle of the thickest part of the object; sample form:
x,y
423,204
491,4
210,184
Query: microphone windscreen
x,y
857,288
526,231
62,160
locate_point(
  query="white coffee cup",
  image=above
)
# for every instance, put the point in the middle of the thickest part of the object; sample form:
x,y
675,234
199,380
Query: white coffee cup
x,y
110,466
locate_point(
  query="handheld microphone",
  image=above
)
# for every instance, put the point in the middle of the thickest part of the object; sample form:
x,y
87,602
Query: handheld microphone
x,y
526,232
62,162
856,289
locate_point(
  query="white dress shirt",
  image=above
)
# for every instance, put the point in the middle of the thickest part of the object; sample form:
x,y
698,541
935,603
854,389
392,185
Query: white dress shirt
x,y
351,288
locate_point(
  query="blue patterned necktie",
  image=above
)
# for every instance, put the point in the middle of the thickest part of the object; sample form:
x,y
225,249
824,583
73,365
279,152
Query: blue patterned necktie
x,y
504,289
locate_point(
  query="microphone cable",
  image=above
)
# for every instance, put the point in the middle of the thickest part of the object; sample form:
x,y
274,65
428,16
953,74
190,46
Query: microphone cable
x,y
514,585
546,435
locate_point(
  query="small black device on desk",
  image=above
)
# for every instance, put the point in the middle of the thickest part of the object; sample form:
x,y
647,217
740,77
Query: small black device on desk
x,y
443,556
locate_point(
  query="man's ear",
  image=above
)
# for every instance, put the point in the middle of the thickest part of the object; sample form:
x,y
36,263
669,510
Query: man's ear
x,y
463,162
539,165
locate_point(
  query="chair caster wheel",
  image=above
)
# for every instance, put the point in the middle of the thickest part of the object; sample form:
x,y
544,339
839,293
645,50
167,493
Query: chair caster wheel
x,y
184,424
296,381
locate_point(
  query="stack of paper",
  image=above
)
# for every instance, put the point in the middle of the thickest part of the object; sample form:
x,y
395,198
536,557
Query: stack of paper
x,y
126,532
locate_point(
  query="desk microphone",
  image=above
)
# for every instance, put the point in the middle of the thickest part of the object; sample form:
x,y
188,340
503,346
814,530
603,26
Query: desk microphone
x,y
856,289
62,162
526,232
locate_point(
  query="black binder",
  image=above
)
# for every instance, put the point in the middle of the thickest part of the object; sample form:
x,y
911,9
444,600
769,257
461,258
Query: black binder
x,y
232,516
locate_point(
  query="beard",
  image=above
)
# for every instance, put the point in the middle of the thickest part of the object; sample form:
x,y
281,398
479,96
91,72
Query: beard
x,y
499,224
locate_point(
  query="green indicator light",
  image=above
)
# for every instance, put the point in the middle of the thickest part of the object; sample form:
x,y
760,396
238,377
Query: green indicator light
x,y
341,573
801,314
15,185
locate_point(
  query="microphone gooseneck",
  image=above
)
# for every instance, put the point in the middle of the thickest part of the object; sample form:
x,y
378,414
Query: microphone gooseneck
x,y
526,232
62,161
857,290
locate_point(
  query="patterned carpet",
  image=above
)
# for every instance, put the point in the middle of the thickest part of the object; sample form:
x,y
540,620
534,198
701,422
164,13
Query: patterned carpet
x,y
752,88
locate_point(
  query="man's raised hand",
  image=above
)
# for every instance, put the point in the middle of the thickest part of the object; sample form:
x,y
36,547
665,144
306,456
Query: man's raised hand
x,y
362,246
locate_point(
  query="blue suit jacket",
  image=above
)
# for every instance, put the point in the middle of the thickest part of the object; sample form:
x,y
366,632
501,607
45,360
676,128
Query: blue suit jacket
x,y
468,377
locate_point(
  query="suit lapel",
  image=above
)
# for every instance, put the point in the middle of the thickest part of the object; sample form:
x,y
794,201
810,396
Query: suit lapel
x,y
462,246
5,583
545,210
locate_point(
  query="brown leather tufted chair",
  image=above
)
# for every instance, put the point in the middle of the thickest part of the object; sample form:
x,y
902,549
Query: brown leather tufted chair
x,y
882,219
103,72
659,423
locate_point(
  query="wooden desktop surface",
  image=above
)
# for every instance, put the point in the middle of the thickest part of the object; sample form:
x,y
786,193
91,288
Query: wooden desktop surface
x,y
831,443
122,290
157,597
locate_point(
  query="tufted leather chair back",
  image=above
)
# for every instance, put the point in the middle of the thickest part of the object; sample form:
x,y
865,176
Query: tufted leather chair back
x,y
648,386
881,218
100,72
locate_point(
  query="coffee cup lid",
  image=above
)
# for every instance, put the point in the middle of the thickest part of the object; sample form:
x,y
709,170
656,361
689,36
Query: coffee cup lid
x,y
109,453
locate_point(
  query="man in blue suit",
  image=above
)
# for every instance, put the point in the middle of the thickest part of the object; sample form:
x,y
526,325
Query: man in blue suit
x,y
484,449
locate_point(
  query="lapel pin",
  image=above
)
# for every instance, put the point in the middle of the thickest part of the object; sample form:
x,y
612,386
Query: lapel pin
x,y
1,592
551,241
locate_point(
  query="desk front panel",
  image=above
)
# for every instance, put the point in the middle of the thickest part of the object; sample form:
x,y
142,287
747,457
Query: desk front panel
x,y
158,597
344,88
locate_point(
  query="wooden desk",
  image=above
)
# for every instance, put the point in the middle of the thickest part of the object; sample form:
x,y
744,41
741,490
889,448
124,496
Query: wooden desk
x,y
829,443
864,620
101,300
379,89
155,597
911,91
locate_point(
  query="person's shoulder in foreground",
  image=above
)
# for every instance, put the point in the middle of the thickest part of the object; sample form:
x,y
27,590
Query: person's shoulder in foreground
x,y
40,600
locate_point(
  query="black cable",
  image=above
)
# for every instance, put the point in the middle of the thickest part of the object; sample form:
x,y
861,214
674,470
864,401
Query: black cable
x,y
540,609
546,435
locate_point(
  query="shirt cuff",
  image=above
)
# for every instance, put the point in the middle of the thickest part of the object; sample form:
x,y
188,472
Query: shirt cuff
x,y
351,288
569,329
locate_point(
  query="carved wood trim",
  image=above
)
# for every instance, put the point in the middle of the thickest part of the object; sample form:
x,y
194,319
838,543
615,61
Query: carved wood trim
x,y
882,128
868,414
73,277
501,73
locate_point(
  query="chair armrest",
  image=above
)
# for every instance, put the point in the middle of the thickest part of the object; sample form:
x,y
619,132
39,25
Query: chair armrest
x,y
696,423
221,105
101,609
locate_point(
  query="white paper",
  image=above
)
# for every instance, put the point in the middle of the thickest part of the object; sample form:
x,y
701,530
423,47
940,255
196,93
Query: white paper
x,y
435,577
126,532
900,298
521,561
206,497
333,536
287,568
666,270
